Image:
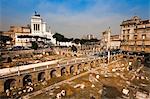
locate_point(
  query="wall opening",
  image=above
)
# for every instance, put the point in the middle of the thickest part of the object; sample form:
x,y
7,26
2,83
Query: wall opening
x,y
71,69
41,76
27,80
9,83
63,71
53,74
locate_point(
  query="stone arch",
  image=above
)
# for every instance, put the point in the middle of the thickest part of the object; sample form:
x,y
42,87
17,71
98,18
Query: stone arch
x,y
72,69
9,83
63,71
41,76
27,79
53,73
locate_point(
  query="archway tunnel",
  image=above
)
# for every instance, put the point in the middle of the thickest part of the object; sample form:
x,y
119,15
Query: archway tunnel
x,y
53,73
71,69
27,79
63,71
41,76
9,83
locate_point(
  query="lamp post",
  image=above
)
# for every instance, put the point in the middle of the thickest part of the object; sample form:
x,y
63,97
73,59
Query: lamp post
x,y
108,44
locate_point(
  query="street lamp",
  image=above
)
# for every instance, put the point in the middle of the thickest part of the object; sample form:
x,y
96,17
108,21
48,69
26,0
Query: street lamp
x,y
108,44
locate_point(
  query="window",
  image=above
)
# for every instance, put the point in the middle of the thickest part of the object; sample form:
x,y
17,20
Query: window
x,y
143,36
128,30
135,37
128,37
123,31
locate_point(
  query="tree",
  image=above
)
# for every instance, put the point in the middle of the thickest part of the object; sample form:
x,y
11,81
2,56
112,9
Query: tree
x,y
34,45
4,39
94,40
61,38
77,41
58,37
73,48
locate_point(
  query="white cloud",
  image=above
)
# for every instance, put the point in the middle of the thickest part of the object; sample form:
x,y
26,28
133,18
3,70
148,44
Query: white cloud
x,y
90,21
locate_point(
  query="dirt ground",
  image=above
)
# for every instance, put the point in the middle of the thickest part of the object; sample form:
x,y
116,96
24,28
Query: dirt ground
x,y
116,82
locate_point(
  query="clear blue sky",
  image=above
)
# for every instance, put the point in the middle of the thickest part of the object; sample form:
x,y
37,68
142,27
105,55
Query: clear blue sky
x,y
73,18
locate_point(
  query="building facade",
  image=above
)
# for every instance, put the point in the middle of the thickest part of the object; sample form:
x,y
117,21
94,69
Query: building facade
x,y
135,35
109,41
105,40
115,42
16,31
24,35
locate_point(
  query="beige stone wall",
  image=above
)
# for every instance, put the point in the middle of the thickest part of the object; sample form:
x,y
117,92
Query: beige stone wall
x,y
135,35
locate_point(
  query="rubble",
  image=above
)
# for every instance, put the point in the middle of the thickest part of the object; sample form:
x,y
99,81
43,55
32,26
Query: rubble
x,y
57,87
14,93
20,92
94,72
128,82
11,88
44,83
113,70
92,78
63,92
143,85
7,92
97,76
30,89
140,95
106,76
58,96
24,90
142,77
79,85
100,91
125,91
92,86
51,93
